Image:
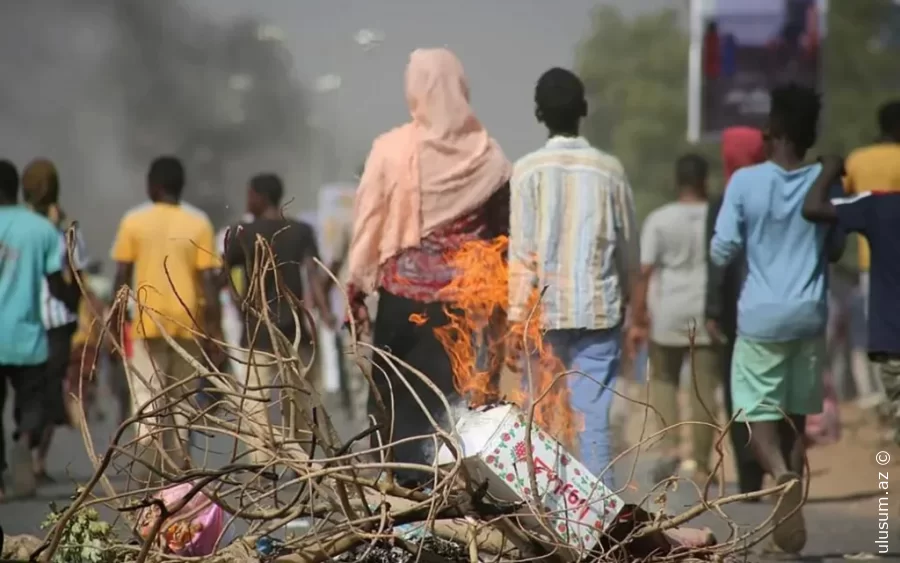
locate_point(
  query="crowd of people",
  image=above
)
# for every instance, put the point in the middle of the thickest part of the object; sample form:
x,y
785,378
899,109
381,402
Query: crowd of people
x,y
737,286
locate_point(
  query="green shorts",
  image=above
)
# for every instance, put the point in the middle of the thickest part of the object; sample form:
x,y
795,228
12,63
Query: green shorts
x,y
772,379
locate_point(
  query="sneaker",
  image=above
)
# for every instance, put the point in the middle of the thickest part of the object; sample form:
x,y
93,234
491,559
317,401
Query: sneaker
x,y
790,527
24,483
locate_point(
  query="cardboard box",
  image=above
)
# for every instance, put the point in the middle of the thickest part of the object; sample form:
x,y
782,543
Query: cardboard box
x,y
576,503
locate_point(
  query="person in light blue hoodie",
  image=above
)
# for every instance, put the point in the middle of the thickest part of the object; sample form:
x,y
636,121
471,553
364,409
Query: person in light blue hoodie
x,y
779,353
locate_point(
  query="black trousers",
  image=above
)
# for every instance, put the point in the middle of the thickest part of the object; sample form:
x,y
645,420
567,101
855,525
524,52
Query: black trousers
x,y
29,386
417,346
59,344
750,472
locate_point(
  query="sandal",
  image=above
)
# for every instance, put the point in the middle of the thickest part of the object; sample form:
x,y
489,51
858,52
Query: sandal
x,y
790,527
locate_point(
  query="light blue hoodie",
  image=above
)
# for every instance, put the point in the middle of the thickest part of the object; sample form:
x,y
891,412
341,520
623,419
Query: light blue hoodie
x,y
785,294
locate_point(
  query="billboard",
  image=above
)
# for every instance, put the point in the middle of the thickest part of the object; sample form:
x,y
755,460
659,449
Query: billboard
x,y
740,50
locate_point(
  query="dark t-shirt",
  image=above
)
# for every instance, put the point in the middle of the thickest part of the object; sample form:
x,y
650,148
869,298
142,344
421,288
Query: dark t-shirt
x,y
292,243
876,216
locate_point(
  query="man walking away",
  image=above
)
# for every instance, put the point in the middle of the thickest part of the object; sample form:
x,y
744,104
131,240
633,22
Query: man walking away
x,y
40,186
869,169
780,349
741,146
30,251
673,252
874,215
293,248
572,228
166,252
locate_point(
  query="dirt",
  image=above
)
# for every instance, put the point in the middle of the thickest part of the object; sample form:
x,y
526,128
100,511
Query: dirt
x,y
843,471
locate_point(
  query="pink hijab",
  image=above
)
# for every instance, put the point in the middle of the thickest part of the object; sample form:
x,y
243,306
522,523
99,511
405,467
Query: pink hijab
x,y
426,173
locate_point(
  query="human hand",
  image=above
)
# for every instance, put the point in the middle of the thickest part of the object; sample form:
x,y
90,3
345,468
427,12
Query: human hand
x,y
359,317
635,338
715,331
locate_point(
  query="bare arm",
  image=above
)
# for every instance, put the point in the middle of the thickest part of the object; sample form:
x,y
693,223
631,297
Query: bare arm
x,y
318,288
318,281
817,206
210,282
640,316
68,293
629,252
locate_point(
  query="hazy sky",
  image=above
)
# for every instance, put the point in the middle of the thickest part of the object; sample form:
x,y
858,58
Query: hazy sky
x,y
58,105
503,44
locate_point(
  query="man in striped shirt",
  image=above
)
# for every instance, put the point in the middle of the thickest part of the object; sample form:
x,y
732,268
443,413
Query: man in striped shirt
x,y
573,231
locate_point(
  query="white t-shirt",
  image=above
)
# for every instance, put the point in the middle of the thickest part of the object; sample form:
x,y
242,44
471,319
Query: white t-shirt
x,y
673,241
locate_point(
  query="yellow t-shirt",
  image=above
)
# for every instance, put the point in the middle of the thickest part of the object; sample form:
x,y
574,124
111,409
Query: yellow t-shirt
x,y
170,246
875,168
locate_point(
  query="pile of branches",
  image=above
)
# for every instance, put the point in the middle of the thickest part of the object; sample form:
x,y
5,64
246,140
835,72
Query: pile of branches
x,y
344,491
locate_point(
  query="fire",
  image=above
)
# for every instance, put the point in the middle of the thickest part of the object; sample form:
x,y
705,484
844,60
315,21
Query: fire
x,y
479,297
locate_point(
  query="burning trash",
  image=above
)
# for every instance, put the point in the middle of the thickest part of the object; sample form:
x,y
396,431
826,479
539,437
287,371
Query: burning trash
x,y
477,325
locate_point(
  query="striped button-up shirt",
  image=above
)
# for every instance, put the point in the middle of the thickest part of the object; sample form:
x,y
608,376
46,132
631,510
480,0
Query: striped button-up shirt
x,y
573,232
54,312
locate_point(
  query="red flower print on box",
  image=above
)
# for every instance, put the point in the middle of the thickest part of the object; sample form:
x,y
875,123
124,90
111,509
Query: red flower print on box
x,y
490,460
505,437
520,451
510,477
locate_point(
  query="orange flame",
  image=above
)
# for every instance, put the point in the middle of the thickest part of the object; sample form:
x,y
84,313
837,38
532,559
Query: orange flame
x,y
479,297
418,319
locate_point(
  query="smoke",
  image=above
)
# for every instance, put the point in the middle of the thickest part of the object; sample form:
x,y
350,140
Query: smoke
x,y
104,86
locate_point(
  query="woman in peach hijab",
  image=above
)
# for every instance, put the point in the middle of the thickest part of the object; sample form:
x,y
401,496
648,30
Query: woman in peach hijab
x,y
428,187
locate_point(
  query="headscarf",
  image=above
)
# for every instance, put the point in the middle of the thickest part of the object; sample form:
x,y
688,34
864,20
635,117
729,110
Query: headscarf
x,y
741,146
430,171
40,187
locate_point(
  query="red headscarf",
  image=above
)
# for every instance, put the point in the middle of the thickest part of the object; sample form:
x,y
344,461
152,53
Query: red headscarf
x,y
741,146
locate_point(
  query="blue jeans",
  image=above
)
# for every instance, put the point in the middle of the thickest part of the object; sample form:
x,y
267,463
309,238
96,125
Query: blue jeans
x,y
595,353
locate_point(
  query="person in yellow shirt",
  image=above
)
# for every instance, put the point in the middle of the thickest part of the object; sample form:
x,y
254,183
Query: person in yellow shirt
x,y
165,252
874,168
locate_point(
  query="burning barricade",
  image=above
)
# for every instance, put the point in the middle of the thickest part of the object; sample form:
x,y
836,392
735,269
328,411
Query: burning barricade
x,y
506,483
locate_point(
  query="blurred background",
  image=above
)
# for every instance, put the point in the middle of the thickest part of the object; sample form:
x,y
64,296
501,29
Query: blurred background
x,y
303,87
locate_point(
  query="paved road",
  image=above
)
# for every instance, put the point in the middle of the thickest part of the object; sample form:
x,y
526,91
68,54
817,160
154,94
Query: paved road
x,y
835,529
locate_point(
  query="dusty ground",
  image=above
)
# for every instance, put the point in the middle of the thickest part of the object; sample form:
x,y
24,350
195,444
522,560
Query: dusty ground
x,y
842,509
846,470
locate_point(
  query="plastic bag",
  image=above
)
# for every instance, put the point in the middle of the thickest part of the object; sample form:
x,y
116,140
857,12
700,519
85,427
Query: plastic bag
x,y
193,531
